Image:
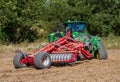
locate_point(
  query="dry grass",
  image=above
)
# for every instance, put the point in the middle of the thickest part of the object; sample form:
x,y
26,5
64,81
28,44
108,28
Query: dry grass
x,y
112,42
26,47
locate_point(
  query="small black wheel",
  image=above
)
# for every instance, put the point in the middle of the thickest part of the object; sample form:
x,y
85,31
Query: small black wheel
x,y
72,63
17,61
42,60
102,53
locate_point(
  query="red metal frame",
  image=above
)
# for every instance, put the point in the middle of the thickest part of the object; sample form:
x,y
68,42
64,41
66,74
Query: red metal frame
x,y
63,45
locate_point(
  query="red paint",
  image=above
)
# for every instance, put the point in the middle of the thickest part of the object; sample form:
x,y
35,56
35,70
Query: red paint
x,y
63,45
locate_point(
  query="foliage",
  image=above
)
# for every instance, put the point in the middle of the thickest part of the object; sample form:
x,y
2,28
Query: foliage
x,y
22,20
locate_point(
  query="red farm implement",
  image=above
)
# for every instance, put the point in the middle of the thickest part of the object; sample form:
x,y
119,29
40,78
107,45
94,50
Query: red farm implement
x,y
64,50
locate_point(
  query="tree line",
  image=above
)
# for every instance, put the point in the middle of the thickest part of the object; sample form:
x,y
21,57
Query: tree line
x,y
22,20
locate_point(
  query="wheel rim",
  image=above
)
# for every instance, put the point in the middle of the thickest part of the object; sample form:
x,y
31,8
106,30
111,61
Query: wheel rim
x,y
45,60
22,61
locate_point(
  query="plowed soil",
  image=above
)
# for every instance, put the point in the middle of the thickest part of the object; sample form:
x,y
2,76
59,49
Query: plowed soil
x,y
84,71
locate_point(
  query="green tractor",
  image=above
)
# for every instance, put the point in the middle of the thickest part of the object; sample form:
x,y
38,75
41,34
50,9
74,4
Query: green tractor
x,y
93,44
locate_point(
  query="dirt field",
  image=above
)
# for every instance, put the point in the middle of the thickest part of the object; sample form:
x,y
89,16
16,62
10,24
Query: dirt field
x,y
85,71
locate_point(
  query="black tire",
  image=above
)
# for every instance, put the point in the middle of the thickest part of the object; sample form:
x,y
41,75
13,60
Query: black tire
x,y
102,53
42,60
17,61
72,63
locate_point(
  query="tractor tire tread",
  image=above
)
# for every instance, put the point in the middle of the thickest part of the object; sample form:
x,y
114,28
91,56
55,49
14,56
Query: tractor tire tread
x,y
17,59
102,51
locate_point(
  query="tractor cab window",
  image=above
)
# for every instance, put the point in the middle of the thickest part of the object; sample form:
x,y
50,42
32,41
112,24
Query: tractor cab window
x,y
80,27
76,26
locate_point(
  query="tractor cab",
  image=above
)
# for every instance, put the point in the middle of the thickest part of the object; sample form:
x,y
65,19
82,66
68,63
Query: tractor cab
x,y
77,29
75,26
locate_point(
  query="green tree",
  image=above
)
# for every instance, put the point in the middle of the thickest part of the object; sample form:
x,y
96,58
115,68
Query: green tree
x,y
22,20
17,18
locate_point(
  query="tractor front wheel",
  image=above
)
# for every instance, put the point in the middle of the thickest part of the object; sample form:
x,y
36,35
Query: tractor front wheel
x,y
102,54
42,60
17,61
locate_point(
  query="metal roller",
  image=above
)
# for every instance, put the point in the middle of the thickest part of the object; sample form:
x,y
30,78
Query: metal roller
x,y
61,56
65,58
53,58
68,57
57,57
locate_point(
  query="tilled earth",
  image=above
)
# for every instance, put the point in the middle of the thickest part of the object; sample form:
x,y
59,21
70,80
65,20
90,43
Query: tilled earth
x,y
84,71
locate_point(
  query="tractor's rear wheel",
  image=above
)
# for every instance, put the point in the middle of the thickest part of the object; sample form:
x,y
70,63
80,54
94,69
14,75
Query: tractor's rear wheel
x,y
42,60
17,61
102,53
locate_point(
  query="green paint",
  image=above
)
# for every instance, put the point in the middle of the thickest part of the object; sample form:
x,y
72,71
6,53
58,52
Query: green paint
x,y
79,33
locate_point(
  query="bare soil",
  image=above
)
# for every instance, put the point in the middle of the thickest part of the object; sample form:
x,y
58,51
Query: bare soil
x,y
84,71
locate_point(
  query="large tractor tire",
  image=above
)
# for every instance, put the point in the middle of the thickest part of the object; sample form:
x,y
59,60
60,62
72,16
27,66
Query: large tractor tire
x,y
42,60
17,61
102,54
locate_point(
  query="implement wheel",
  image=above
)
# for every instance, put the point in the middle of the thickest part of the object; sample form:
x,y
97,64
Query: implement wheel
x,y
17,61
102,54
42,60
